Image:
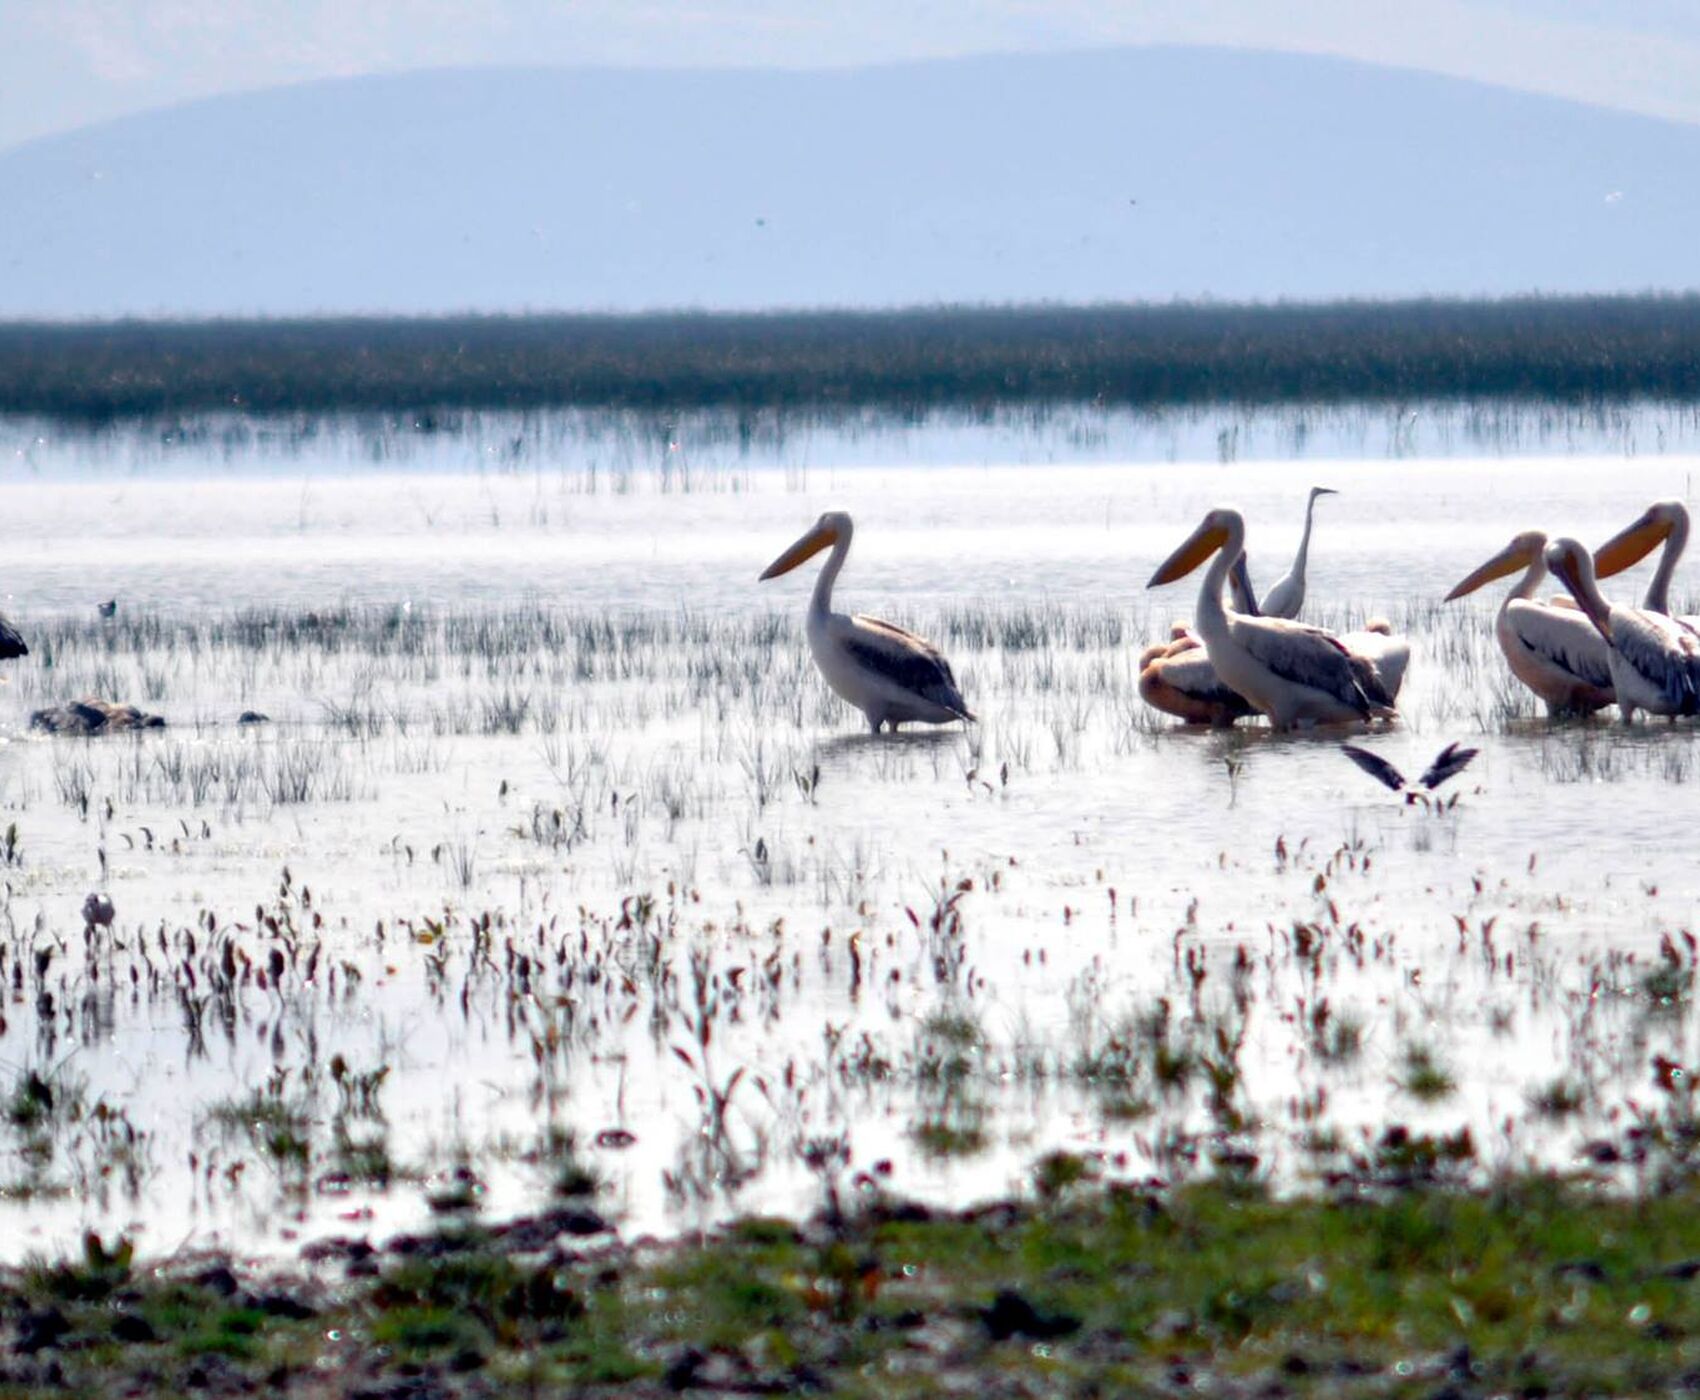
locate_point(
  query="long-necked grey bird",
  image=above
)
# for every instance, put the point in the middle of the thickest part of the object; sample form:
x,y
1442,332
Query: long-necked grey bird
x,y
1287,595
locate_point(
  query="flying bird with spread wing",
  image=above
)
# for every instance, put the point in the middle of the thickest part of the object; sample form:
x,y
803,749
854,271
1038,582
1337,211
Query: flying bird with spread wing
x,y
1448,763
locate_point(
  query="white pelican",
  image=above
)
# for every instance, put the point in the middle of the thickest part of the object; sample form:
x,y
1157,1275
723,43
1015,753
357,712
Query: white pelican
x,y
1663,522
890,675
1292,673
1288,594
1655,661
1555,651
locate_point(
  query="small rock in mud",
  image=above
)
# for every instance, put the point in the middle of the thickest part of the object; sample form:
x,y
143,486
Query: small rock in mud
x,y
1011,1315
39,1330
253,717
133,1328
217,1279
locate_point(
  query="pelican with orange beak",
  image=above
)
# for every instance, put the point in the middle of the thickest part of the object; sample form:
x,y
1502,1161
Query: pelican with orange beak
x,y
1654,660
1296,675
890,675
1662,523
1555,651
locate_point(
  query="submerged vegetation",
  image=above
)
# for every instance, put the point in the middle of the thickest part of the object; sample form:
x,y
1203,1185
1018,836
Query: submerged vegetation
x,y
1573,349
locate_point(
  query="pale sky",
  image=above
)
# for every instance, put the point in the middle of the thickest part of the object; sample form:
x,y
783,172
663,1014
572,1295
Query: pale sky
x,y
69,63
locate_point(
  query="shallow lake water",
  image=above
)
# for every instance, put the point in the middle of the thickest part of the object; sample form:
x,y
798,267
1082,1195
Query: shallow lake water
x,y
556,855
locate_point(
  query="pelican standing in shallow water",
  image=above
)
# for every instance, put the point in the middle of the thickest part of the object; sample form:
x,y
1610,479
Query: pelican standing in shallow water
x,y
1287,595
1662,523
890,675
1655,660
1555,651
1293,673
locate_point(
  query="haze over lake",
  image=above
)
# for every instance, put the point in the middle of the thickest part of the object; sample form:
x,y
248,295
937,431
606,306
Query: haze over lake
x,y
1141,173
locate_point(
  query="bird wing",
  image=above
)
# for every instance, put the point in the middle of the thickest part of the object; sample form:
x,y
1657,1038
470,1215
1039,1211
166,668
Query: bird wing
x,y
1662,651
1448,763
905,660
1565,637
1311,656
1376,766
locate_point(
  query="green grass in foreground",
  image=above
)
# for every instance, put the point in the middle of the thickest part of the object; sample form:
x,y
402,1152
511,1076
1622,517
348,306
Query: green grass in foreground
x,y
1568,349
1533,1288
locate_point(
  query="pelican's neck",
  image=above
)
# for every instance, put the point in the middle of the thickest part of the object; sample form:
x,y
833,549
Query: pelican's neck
x,y
1658,591
1585,589
1533,577
1211,619
821,604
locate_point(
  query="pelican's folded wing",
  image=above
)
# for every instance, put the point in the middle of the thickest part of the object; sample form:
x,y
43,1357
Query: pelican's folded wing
x,y
1662,651
1565,637
905,660
1312,657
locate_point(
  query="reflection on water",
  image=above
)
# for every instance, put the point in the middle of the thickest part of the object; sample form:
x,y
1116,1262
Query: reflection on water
x,y
555,824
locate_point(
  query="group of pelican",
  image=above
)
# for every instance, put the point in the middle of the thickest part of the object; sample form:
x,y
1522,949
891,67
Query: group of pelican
x,y
1581,653
1245,656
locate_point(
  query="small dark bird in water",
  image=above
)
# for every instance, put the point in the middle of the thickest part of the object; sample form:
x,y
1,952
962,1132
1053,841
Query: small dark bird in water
x,y
108,609
1448,763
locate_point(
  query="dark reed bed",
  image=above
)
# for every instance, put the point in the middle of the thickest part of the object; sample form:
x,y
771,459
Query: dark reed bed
x,y
1530,348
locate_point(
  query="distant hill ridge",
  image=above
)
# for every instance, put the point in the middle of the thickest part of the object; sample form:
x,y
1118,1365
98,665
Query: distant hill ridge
x,y
1119,175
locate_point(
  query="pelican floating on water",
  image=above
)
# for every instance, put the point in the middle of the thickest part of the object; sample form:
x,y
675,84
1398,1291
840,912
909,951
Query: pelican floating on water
x,y
1293,673
1555,651
1662,523
1655,660
1287,595
890,675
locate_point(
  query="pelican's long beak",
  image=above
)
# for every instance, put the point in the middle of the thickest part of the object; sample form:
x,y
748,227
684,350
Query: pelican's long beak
x,y
1325,490
1510,559
1200,545
1630,546
806,548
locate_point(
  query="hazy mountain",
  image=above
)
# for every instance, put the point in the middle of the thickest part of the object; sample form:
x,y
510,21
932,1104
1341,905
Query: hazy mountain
x,y
1128,174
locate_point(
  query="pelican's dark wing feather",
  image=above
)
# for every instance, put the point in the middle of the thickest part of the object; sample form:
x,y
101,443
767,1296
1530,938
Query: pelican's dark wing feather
x,y
1314,657
1376,766
906,660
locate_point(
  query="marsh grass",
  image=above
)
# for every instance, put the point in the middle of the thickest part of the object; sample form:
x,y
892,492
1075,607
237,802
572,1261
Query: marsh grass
x,y
435,372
